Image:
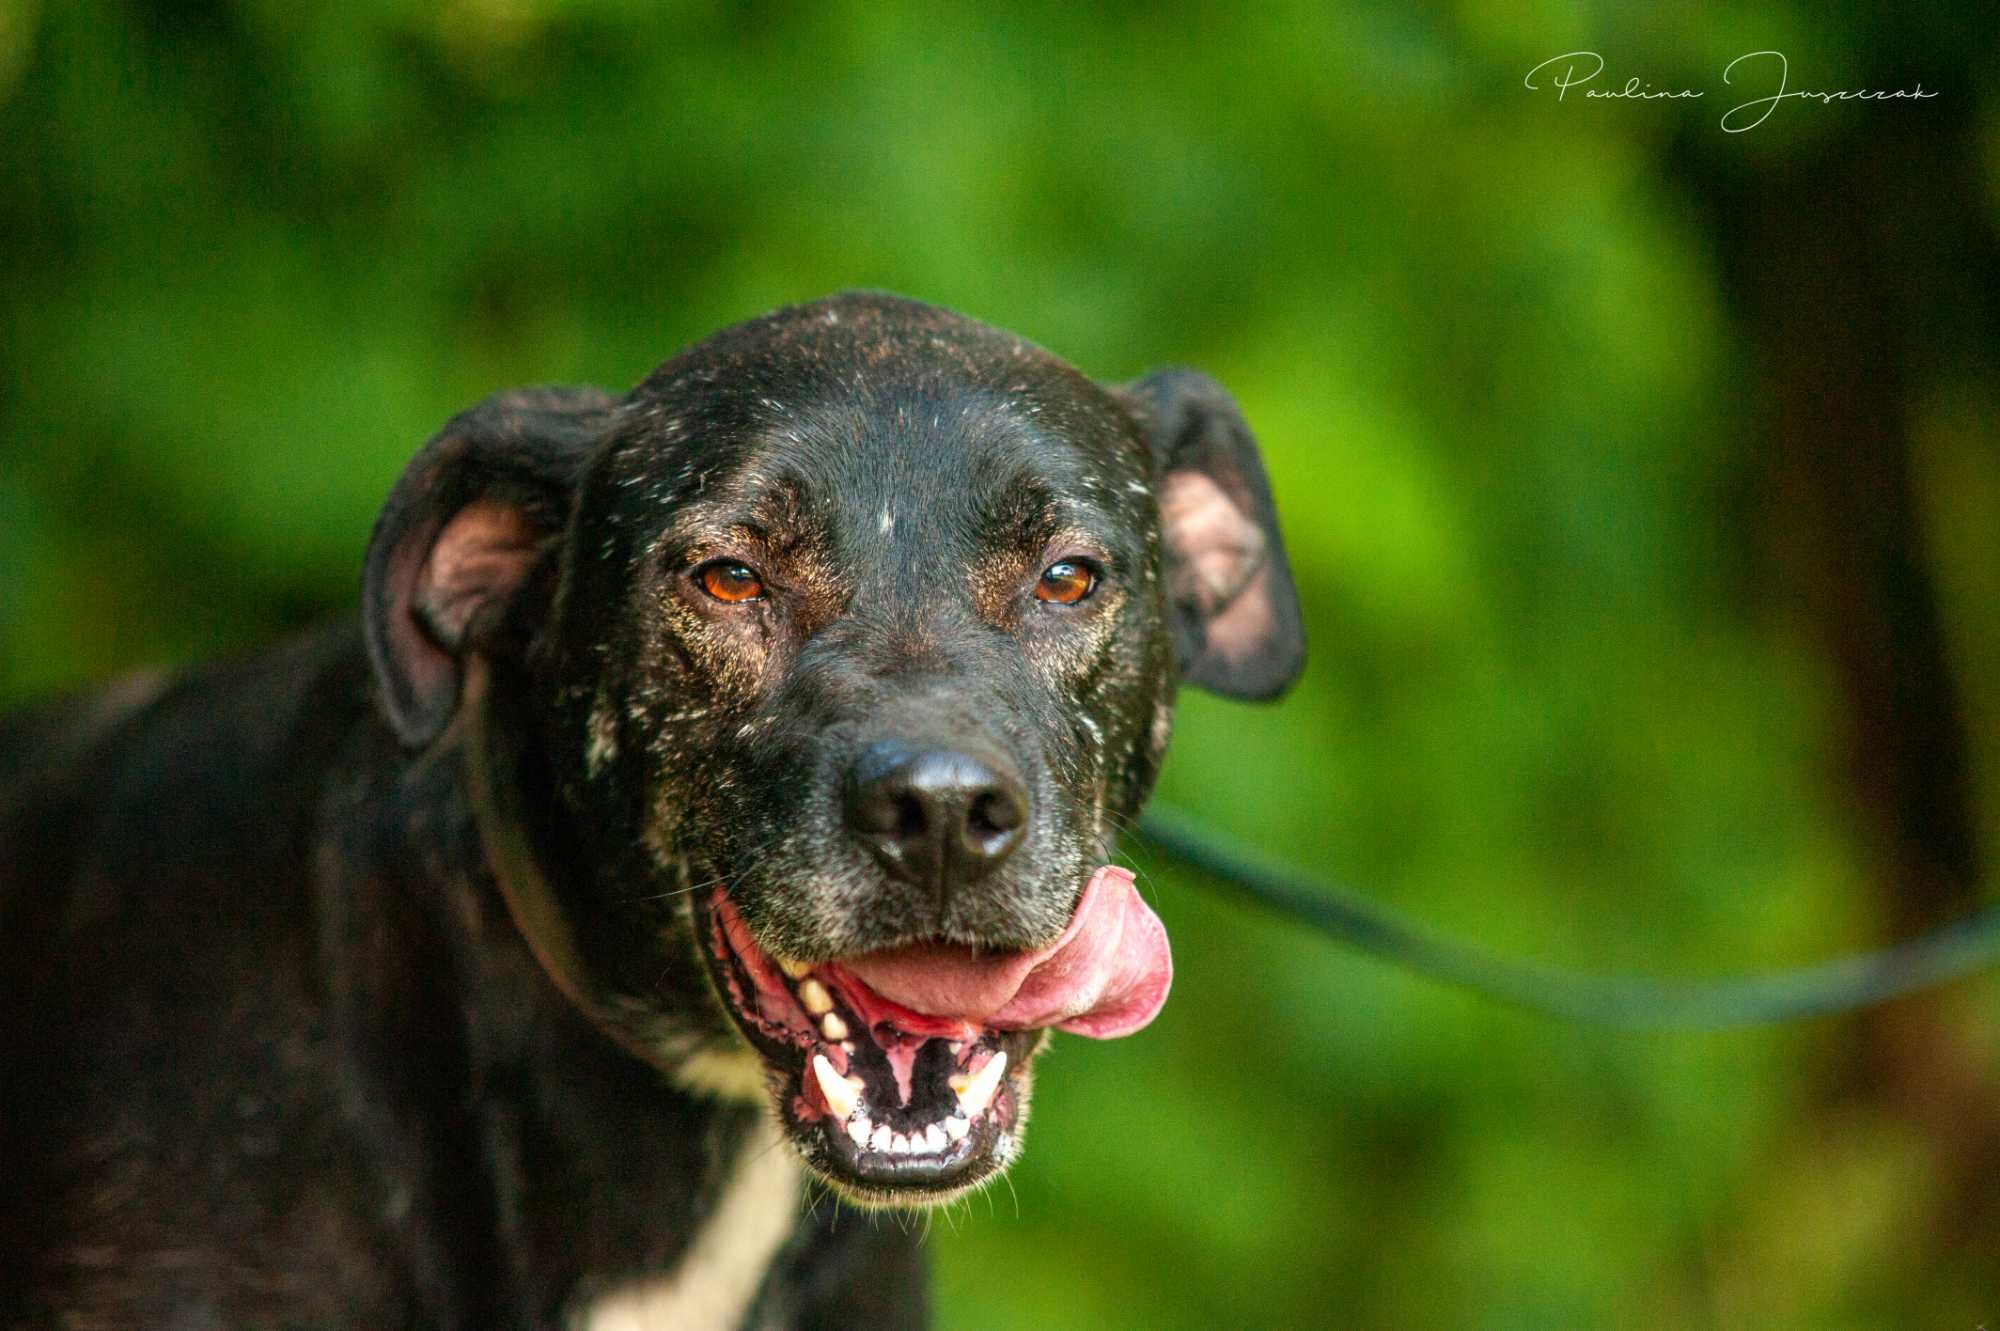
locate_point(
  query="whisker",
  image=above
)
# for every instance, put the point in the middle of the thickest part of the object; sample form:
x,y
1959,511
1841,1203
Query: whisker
x,y
752,853
1141,871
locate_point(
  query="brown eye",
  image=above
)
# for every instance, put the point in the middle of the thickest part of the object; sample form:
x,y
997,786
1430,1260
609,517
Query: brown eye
x,y
1066,583
730,582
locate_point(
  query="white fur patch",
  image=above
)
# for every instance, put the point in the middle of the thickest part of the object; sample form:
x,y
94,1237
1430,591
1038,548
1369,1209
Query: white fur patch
x,y
727,1074
712,1286
603,745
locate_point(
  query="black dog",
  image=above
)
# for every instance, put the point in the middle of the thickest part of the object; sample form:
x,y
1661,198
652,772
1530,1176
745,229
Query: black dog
x,y
722,763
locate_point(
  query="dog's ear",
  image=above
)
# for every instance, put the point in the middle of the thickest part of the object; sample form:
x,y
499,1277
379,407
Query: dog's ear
x,y
1229,587
464,527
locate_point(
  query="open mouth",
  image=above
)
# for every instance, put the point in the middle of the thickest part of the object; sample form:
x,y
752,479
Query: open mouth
x,y
902,1075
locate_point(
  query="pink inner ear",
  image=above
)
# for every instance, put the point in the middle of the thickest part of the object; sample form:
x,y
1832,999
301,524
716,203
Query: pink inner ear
x,y
1219,549
483,552
1245,627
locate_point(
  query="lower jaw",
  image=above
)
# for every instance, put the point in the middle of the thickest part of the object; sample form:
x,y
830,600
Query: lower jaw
x,y
875,1179
888,1156
917,1161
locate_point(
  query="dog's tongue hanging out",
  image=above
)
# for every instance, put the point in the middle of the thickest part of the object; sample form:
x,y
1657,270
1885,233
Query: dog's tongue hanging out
x,y
1106,976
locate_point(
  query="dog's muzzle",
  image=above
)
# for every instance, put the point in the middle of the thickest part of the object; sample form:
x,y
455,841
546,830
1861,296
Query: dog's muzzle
x,y
900,1073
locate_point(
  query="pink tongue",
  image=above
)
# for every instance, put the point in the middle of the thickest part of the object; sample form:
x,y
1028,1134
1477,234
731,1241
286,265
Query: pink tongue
x,y
1106,976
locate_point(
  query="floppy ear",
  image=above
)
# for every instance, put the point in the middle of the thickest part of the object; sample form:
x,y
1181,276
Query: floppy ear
x,y
464,527
1229,587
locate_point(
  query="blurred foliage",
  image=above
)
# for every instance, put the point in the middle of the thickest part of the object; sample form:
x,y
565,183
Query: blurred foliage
x,y
252,253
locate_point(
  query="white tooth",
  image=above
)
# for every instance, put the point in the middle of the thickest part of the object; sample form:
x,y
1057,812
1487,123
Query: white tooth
x,y
976,1092
899,1144
859,1129
840,1095
798,970
880,1141
934,1138
815,997
832,1026
956,1128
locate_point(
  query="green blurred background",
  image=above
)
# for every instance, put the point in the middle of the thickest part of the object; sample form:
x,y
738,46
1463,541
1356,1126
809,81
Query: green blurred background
x,y
1641,480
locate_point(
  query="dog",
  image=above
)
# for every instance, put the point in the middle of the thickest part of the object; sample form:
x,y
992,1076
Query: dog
x,y
713,796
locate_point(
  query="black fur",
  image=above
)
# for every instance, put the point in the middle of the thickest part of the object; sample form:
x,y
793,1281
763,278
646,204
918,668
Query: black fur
x,y
356,984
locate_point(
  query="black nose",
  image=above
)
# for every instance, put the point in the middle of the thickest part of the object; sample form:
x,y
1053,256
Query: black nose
x,y
932,816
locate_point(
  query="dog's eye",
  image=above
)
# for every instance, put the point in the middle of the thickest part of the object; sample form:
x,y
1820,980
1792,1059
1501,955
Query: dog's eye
x,y
1066,582
726,580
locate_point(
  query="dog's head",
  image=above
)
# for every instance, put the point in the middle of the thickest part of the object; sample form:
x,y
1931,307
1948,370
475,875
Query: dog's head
x,y
808,685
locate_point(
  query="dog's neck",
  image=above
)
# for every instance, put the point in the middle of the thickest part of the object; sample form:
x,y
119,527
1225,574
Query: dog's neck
x,y
745,1185
699,1051
517,872
712,1286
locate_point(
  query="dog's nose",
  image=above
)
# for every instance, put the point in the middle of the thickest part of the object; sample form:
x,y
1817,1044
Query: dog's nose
x,y
932,816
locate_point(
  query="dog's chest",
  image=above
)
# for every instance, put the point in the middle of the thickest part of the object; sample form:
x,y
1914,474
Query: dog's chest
x,y
713,1285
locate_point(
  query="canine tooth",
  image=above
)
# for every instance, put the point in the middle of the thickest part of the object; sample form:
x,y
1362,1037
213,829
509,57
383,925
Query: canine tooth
x,y
815,997
832,1026
880,1141
840,1094
798,970
934,1138
956,1128
976,1092
859,1129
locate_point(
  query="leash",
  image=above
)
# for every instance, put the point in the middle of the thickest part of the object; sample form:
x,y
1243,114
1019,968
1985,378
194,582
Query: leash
x,y
1844,984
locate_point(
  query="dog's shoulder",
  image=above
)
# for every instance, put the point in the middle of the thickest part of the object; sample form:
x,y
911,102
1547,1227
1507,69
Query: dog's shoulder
x,y
161,1008
164,771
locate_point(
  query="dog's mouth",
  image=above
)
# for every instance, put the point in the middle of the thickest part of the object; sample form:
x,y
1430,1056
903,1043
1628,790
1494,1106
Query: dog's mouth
x,y
902,1076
